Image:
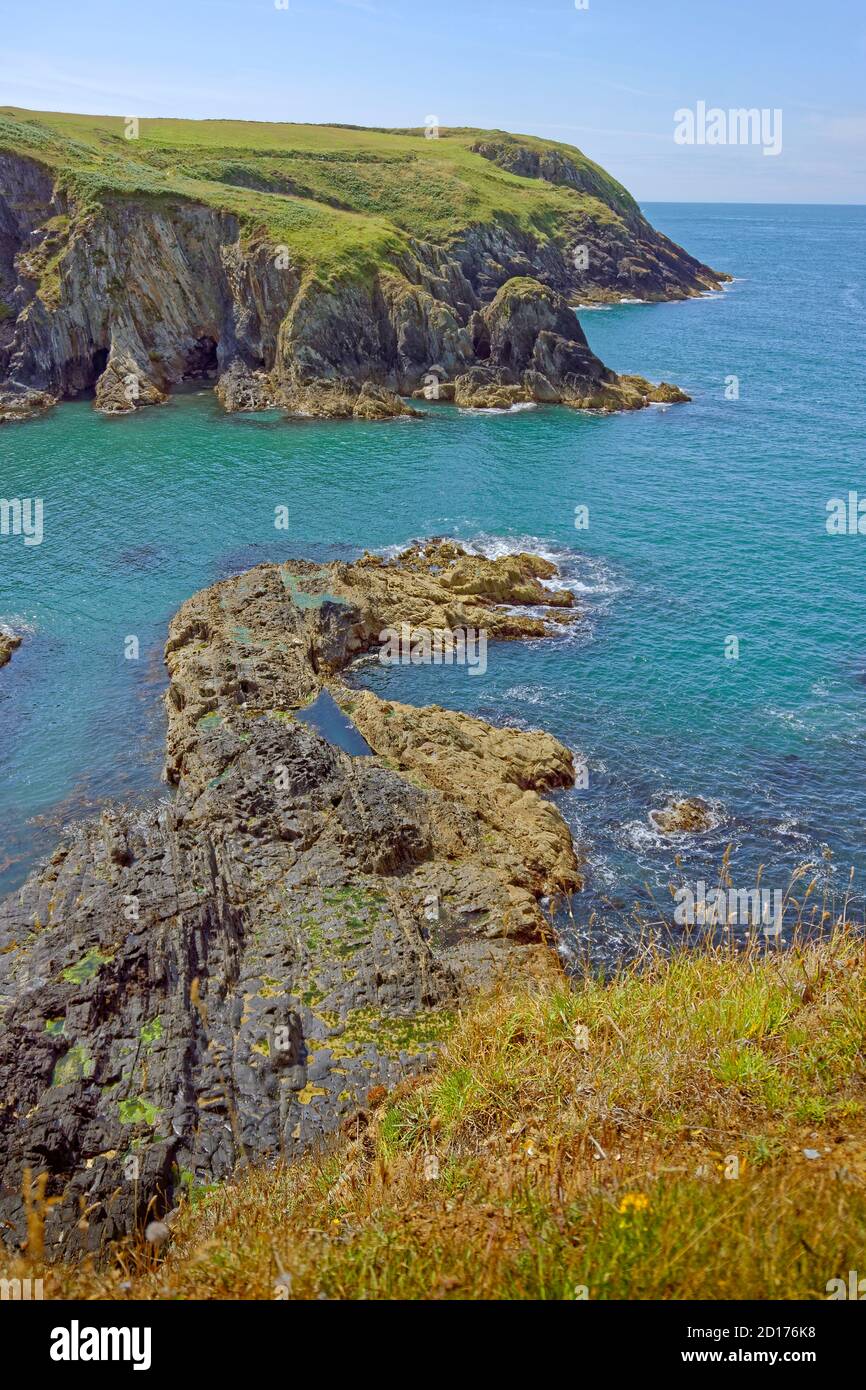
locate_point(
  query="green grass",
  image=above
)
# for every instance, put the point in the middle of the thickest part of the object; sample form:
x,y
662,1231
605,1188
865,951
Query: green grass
x,y
74,1065
345,201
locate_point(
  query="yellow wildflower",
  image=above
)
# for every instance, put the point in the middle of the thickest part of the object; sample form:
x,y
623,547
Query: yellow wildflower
x,y
633,1201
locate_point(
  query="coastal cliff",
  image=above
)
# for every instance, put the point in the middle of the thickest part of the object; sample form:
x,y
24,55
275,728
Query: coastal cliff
x,y
232,975
322,271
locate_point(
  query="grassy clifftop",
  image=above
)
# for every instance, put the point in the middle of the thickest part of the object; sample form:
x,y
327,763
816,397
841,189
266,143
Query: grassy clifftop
x,y
333,194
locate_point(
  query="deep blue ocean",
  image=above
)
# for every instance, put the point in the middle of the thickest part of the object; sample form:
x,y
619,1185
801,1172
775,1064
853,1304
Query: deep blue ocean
x,y
706,521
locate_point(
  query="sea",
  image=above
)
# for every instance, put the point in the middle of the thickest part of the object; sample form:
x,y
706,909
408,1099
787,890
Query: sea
x,y
720,648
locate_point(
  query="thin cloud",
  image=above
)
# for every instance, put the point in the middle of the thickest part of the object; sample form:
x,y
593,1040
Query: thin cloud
x,y
609,130
848,130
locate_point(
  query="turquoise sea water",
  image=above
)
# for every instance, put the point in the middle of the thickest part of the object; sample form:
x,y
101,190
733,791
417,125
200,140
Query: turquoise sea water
x,y
706,520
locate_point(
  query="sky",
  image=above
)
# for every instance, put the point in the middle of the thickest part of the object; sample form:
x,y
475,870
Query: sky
x,y
605,75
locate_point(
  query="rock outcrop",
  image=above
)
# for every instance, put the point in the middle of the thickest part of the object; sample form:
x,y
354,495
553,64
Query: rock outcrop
x,y
535,350
229,976
130,295
9,642
688,816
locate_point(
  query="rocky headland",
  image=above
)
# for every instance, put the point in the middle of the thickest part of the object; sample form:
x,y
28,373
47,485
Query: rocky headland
x,y
241,970
328,272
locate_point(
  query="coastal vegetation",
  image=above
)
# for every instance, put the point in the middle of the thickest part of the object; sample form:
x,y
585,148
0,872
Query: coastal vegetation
x,y
693,1128
344,199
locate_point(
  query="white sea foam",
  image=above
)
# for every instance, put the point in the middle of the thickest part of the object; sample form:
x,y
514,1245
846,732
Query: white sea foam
x,y
497,409
789,828
528,694
601,875
14,625
638,835
579,571
789,718
495,547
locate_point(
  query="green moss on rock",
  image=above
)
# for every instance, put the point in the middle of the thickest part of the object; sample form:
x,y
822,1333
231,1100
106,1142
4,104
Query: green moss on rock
x,y
75,1065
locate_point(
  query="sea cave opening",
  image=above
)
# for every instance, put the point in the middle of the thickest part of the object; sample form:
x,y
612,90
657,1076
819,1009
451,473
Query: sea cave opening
x,y
201,360
98,364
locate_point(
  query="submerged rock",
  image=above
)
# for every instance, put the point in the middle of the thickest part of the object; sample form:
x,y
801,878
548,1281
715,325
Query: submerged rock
x,y
687,816
230,976
9,642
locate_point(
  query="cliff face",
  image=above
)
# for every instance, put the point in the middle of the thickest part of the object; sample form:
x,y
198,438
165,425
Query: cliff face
x,y
129,293
130,301
228,977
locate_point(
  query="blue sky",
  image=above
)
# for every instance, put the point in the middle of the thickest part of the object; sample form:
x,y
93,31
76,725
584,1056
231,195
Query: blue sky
x,y
607,78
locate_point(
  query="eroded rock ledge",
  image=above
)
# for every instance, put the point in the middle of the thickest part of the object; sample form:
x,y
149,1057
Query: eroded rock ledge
x,y
228,976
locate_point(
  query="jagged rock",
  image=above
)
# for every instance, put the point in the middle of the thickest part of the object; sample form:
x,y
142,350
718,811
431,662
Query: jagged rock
x,y
541,388
537,351
124,387
663,394
9,642
241,389
687,816
23,404
486,388
523,309
231,975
